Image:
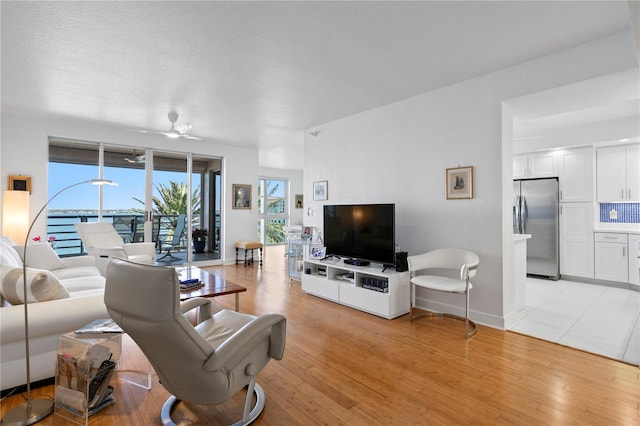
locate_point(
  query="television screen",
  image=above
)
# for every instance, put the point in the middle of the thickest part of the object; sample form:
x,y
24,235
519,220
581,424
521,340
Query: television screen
x,y
361,231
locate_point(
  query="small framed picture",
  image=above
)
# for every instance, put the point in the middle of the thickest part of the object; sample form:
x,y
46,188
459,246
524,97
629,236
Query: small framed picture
x,y
460,183
241,196
318,252
299,201
20,183
320,190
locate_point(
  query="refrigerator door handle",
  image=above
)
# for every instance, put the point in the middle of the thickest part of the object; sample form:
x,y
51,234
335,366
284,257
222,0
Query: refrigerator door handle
x,y
524,214
516,215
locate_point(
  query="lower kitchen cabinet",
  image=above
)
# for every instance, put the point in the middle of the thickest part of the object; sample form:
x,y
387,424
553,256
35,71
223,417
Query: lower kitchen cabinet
x,y
576,239
634,259
611,257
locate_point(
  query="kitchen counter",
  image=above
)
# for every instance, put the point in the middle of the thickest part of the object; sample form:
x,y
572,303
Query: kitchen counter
x,y
623,228
515,295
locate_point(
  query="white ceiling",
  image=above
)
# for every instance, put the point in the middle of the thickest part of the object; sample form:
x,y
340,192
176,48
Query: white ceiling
x,y
260,73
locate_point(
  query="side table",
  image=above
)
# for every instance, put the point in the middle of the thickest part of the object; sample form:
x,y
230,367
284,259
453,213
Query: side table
x,y
79,358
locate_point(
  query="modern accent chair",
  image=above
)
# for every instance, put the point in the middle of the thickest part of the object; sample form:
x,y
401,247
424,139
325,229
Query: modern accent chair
x,y
102,241
205,364
440,261
181,223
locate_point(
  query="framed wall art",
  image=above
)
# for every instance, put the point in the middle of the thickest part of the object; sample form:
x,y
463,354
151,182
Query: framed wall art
x,y
320,191
20,183
460,183
299,201
241,196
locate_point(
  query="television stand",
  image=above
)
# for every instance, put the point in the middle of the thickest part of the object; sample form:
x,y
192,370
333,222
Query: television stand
x,y
366,288
357,262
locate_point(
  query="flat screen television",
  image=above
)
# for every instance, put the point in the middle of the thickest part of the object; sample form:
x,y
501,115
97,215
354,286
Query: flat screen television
x,y
361,232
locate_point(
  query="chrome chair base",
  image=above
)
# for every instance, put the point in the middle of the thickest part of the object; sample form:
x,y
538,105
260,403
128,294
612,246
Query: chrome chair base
x,y
421,313
248,417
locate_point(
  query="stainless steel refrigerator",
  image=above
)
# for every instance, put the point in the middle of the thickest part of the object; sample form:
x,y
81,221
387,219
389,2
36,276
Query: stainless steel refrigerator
x,y
535,212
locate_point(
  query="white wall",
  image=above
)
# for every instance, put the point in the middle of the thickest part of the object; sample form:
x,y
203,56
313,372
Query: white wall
x,y
24,151
398,153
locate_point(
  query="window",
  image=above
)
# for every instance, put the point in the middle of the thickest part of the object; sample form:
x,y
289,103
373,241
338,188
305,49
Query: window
x,y
273,208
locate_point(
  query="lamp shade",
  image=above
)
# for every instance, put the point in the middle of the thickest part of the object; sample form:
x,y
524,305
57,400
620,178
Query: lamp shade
x,y
15,215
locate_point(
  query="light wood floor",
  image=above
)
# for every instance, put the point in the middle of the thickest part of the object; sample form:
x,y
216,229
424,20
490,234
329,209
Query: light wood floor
x,y
342,366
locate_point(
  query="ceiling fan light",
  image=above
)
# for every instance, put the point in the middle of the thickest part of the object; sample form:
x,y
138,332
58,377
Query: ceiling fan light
x,y
173,134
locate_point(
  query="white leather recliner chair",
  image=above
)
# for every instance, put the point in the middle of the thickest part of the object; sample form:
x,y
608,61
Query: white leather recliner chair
x,y
205,364
101,240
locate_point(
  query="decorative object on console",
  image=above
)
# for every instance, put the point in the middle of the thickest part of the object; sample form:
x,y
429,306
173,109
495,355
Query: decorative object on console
x,y
318,252
460,183
320,191
32,411
20,183
241,196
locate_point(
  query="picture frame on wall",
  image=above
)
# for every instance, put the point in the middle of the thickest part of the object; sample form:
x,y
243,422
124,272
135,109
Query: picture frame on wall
x,y
299,201
241,196
320,191
20,183
460,183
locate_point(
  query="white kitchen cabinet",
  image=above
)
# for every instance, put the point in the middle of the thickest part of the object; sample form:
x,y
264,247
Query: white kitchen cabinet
x,y
618,175
611,257
538,165
634,259
576,239
575,175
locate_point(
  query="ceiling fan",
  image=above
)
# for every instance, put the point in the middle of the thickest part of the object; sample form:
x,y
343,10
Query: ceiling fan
x,y
137,159
177,130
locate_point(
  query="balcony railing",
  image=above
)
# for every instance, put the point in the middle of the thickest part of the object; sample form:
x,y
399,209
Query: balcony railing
x,y
129,226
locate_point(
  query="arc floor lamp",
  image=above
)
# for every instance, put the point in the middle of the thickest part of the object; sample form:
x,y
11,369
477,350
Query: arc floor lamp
x,y
32,411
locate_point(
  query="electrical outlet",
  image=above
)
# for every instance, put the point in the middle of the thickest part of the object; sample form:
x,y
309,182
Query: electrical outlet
x,y
613,214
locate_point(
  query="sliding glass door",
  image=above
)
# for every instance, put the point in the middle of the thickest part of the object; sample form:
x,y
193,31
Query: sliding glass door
x,y
161,198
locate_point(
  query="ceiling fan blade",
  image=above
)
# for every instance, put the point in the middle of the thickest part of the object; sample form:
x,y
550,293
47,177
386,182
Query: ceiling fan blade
x,y
191,137
183,127
142,131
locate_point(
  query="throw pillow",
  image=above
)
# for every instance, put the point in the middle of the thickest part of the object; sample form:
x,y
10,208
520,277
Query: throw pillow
x,y
41,285
41,256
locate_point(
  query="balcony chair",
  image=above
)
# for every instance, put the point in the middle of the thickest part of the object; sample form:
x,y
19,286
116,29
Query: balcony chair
x,y
101,241
181,223
440,261
205,364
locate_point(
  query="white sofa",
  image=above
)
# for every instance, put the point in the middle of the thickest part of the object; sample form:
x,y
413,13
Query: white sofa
x,y
79,302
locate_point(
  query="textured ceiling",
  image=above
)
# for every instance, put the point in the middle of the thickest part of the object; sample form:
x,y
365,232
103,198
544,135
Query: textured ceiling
x,y
260,73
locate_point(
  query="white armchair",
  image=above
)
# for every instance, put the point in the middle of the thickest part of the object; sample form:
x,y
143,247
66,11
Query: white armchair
x,y
101,241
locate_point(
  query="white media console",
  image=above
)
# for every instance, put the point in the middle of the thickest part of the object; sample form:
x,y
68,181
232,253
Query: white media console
x,y
366,288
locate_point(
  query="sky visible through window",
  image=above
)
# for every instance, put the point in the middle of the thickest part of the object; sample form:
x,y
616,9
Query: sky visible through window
x,y
85,197
130,186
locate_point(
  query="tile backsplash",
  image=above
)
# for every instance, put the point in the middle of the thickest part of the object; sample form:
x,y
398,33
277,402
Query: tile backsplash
x,y
626,212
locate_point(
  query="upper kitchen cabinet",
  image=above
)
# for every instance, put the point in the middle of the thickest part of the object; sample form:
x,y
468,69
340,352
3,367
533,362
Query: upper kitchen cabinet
x,y
618,173
539,165
575,175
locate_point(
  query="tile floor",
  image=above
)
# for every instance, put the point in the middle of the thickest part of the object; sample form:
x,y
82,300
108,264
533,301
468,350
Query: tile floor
x,y
594,318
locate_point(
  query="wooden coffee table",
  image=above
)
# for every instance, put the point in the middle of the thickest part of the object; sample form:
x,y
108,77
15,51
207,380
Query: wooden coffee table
x,y
213,285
